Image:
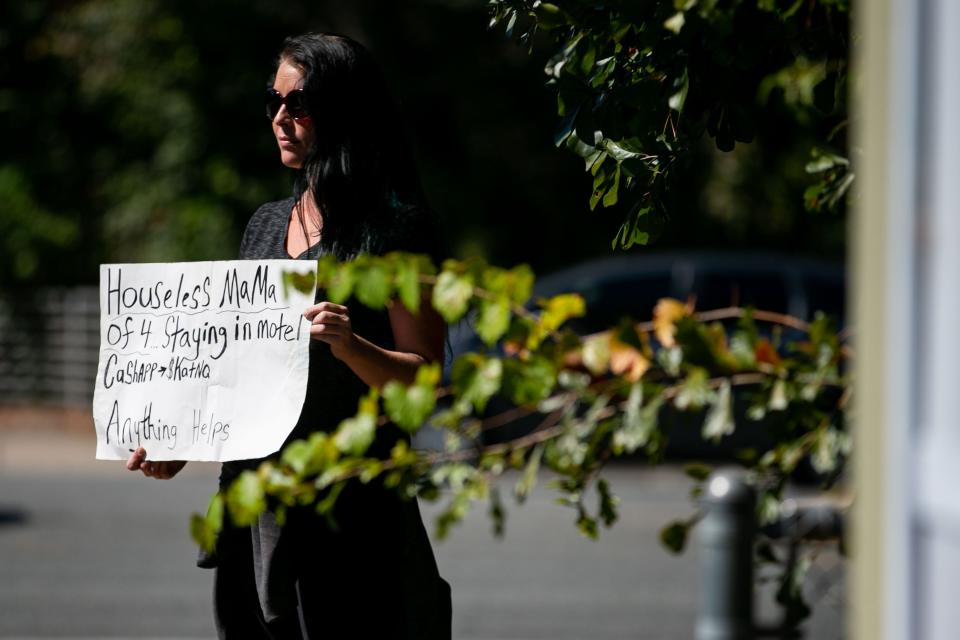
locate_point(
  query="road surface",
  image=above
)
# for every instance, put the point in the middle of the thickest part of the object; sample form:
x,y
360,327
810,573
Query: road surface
x,y
90,550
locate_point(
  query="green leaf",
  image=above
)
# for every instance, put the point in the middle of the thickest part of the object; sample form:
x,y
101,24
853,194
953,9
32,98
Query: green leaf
x,y
621,150
638,423
428,374
719,420
297,455
556,311
201,534
410,406
246,499
408,284
699,343
596,353
494,319
402,455
594,161
528,381
498,514
610,197
451,295
825,162
302,282
371,469
635,228
560,308
452,442
608,503
214,515
325,507
694,392
476,378
564,132
682,86
520,284
587,525
791,454
355,435
602,72
327,267
284,486
674,535
588,58
205,529
698,471
342,283
742,350
600,180
631,413
586,150
310,456
456,509
778,396
528,480
550,16
790,592
768,509
373,286
511,22
829,447
675,22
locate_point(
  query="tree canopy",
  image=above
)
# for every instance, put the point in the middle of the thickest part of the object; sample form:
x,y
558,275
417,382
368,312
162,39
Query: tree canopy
x,y
640,84
135,130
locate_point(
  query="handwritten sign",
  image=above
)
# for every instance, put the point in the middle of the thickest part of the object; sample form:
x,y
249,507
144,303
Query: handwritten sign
x,y
200,360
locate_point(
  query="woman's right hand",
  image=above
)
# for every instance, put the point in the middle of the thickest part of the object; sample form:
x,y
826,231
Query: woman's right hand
x,y
161,470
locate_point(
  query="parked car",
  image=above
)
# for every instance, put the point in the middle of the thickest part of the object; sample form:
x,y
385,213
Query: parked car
x,y
631,284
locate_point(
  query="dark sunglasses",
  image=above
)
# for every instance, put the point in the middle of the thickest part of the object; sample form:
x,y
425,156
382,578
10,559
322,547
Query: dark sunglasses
x,y
295,100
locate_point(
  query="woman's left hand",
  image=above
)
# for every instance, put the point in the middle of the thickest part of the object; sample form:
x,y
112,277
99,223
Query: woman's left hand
x,y
330,323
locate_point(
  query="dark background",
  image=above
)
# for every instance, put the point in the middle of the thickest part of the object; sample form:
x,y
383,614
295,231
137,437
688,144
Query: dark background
x,y
134,131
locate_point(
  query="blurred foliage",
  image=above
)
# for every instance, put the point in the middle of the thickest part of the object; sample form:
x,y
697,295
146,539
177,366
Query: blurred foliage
x,y
639,84
595,398
134,131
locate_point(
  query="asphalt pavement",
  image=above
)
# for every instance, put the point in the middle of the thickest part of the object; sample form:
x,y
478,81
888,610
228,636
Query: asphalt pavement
x,y
89,550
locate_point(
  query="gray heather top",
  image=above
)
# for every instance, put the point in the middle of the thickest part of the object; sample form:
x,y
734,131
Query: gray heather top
x,y
266,233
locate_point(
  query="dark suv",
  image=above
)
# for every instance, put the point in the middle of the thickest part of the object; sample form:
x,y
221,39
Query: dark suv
x,y
630,285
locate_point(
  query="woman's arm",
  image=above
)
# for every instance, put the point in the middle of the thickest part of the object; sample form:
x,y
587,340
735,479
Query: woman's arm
x,y
418,339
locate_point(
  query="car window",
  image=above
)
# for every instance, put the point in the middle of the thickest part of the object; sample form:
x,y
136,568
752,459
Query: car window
x,y
739,289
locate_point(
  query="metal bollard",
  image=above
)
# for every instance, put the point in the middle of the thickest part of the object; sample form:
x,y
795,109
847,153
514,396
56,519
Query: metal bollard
x,y
726,536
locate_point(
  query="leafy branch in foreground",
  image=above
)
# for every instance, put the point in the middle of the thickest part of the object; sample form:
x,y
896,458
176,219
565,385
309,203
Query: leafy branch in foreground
x,y
594,397
640,84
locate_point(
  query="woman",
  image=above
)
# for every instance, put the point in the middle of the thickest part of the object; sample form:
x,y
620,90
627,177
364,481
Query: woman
x,y
356,191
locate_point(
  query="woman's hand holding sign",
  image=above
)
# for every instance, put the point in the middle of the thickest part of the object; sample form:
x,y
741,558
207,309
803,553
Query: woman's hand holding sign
x,y
159,469
330,323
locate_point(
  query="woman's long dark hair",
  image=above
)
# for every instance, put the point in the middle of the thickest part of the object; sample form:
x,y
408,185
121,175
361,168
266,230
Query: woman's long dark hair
x,y
359,169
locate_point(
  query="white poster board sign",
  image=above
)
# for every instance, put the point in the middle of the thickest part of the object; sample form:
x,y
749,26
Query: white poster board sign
x,y
200,360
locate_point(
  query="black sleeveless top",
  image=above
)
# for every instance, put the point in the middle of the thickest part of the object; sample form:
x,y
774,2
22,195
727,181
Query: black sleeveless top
x,y
375,528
